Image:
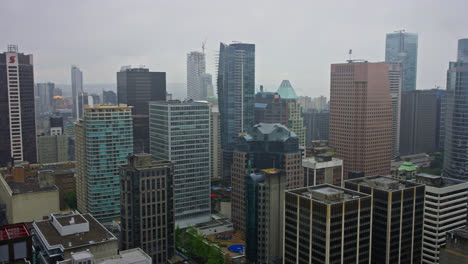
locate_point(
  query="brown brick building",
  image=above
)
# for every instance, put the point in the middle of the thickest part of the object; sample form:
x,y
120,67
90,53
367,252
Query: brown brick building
x,y
361,117
264,146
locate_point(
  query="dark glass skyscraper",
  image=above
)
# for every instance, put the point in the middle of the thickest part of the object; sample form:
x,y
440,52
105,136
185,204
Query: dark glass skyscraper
x,y
402,47
17,118
456,119
136,87
236,91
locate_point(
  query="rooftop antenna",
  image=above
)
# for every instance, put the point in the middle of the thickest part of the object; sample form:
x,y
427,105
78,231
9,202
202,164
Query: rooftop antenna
x,y
350,54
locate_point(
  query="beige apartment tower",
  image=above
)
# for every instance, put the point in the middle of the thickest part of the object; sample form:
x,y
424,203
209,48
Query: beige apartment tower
x,y
361,117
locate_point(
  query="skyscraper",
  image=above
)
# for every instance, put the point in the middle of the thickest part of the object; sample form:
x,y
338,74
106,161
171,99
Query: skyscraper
x,y
17,118
46,94
326,224
136,87
456,119
264,146
419,116
295,119
77,89
180,132
196,66
361,117
146,206
215,141
397,218
402,47
206,86
270,108
109,97
317,125
236,90
103,140
394,76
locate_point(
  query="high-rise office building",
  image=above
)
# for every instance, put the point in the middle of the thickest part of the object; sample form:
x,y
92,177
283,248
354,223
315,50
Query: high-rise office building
x,y
45,92
445,210
236,91
264,146
196,66
215,141
394,76
103,140
397,218
109,97
52,148
136,87
17,118
361,117
146,206
402,47
456,117
419,115
206,86
77,89
326,224
322,169
295,119
180,132
265,199
317,125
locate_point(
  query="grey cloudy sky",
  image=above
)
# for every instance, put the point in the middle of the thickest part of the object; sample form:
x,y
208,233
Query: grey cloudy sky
x,y
295,40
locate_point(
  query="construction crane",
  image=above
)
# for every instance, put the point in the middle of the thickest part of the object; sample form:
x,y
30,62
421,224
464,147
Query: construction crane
x,y
203,46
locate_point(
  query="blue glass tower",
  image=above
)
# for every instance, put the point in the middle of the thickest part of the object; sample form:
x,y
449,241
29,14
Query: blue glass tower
x,y
402,47
103,140
456,119
236,96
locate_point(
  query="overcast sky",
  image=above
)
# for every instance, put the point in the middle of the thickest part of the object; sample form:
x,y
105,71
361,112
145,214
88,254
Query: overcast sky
x,y
295,40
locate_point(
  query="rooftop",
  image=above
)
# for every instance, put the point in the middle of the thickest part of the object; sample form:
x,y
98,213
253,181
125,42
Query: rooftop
x,y
269,132
286,91
28,187
13,231
436,180
130,256
384,183
97,233
407,166
328,194
179,103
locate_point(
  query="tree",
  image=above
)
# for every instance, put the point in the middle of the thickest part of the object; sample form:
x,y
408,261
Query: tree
x,y
70,199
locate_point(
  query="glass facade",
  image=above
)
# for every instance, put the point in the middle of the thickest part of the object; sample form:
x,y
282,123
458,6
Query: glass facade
x,y
180,132
402,47
105,140
236,96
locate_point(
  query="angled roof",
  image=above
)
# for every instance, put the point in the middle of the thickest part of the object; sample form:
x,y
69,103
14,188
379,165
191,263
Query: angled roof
x,y
269,132
407,166
286,90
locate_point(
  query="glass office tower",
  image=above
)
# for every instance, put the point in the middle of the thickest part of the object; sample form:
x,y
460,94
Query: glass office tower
x,y
402,47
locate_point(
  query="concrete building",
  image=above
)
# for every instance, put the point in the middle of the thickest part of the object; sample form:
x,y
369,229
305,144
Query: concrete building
x,y
17,113
130,256
456,119
456,247
397,218
137,87
77,89
45,92
361,117
147,206
236,89
394,76
180,132
317,125
15,244
26,201
326,224
215,141
196,66
109,97
295,119
57,238
64,179
103,140
419,115
402,47
264,146
322,169
52,148
206,86
264,217
445,210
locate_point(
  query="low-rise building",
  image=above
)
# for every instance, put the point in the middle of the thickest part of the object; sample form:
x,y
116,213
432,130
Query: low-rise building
x,y
26,201
456,247
130,256
15,244
445,210
57,238
405,172
322,169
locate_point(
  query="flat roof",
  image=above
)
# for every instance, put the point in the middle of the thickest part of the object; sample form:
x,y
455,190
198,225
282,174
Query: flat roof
x,y
97,234
436,180
70,219
28,187
135,255
328,194
384,183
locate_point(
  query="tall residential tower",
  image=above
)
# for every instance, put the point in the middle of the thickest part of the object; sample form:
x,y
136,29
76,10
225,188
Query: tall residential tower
x,y
196,67
77,89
